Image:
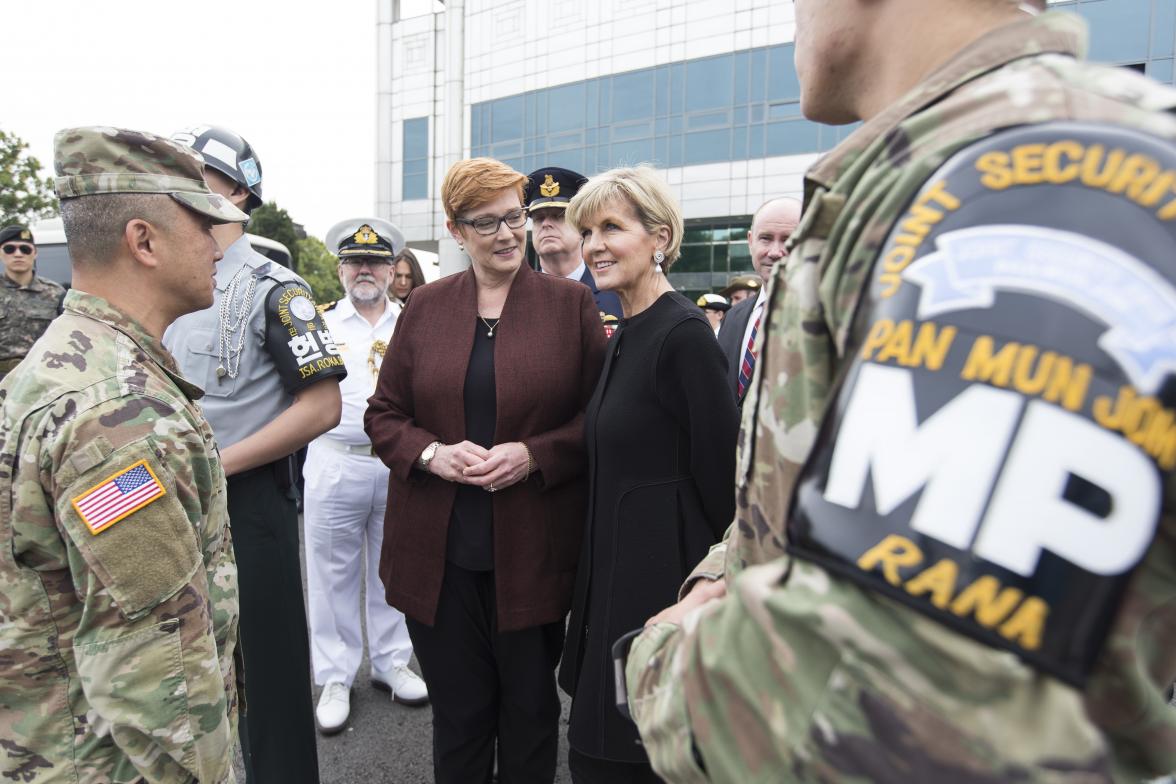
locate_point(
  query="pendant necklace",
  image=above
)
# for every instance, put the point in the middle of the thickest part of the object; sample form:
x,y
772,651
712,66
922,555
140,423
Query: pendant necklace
x,y
490,327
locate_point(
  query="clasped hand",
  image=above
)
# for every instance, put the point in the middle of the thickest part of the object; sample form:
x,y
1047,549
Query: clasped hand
x,y
495,469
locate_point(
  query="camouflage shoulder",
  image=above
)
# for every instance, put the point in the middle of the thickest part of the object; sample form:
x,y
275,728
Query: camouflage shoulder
x,y
52,285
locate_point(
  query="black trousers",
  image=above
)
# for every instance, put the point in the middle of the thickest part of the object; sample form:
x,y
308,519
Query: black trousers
x,y
592,770
277,730
489,690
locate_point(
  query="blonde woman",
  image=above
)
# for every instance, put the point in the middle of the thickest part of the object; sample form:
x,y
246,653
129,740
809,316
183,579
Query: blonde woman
x,y
660,429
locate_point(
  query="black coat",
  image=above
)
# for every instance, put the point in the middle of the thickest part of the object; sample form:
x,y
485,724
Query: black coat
x,y
731,342
661,430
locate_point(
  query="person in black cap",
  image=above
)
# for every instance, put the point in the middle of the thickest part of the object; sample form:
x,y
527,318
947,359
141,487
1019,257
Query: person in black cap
x,y
27,303
558,245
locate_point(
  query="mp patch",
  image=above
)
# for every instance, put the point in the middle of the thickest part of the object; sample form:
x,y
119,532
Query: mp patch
x,y
997,450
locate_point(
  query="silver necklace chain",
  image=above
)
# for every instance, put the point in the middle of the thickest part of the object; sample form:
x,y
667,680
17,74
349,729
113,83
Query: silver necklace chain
x,y
230,324
490,327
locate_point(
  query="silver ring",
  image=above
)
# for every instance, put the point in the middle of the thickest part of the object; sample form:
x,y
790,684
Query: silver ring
x,y
491,487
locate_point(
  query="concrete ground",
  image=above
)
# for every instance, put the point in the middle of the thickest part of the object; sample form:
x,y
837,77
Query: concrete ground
x,y
389,743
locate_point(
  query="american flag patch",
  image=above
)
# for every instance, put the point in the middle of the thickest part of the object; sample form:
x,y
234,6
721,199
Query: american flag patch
x,y
118,496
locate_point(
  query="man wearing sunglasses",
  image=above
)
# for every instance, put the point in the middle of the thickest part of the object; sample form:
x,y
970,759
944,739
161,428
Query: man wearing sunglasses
x,y
27,303
347,492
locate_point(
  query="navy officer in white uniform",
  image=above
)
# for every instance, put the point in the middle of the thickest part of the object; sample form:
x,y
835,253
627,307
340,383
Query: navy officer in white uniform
x,y
347,491
270,374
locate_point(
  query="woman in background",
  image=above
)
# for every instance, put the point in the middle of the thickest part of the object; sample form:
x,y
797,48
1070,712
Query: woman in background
x,y
661,430
406,275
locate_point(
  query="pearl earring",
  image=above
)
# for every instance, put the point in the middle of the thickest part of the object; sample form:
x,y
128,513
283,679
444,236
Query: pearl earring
x,y
658,258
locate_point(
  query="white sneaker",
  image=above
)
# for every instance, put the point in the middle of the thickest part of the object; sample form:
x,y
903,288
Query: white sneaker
x,y
334,706
406,686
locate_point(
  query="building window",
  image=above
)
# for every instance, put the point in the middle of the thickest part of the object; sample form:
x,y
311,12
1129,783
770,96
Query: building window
x,y
415,184
712,251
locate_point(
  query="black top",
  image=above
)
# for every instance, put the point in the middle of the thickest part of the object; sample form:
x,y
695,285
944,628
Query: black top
x,y
471,525
660,431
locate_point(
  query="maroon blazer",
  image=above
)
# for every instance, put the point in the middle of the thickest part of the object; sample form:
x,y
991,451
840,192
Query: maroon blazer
x,y
548,351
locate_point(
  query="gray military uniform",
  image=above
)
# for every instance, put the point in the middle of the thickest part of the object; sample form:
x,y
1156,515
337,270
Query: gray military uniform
x,y
259,345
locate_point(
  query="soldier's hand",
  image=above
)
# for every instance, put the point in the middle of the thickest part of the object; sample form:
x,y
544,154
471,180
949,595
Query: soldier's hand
x,y
505,465
703,591
451,460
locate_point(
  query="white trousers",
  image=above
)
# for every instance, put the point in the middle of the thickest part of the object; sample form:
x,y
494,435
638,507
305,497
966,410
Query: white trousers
x,y
343,516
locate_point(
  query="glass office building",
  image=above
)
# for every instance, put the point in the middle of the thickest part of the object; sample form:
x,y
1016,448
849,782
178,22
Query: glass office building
x,y
705,91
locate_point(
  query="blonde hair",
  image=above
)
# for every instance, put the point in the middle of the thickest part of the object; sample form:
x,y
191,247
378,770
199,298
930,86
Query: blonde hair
x,y
475,181
641,187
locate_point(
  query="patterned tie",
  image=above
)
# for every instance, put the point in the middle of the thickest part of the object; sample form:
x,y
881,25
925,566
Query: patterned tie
x,y
749,356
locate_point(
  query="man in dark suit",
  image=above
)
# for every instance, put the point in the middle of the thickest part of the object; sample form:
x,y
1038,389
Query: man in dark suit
x,y
558,245
771,226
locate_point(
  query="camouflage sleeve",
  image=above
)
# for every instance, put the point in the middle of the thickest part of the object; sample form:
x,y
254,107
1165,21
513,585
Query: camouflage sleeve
x,y
702,711
145,646
712,567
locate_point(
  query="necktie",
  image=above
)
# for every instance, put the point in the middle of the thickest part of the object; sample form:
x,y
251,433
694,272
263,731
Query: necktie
x,y
748,365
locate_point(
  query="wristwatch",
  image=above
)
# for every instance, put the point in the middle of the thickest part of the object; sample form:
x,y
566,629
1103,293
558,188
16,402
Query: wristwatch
x,y
427,455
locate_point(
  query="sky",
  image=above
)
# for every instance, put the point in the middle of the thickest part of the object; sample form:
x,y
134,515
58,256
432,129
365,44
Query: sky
x,y
296,78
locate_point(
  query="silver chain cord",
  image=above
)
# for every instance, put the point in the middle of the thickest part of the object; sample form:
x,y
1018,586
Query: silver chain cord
x,y
229,324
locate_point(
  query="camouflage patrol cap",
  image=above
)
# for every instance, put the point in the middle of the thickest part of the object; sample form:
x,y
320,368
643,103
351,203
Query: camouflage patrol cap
x,y
96,160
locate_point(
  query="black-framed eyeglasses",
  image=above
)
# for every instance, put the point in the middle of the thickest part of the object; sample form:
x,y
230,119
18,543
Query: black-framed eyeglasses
x,y
515,219
28,249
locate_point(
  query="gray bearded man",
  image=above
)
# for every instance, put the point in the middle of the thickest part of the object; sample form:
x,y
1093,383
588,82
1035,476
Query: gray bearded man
x,y
347,492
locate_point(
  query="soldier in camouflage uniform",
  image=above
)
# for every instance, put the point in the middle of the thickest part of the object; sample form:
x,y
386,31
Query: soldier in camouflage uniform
x,y
954,553
118,586
27,303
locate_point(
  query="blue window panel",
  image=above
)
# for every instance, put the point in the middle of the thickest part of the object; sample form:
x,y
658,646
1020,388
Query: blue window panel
x,y
675,125
416,138
508,118
1163,31
590,136
739,115
475,125
485,124
661,126
675,156
530,113
661,91
605,89
632,95
792,137
1160,70
677,88
507,150
661,151
416,186
480,152
783,111
567,159
416,166
1119,30
632,153
758,68
592,103
622,133
742,81
565,108
603,159
757,113
739,143
565,140
709,83
518,164
709,120
755,141
782,82
538,144
708,146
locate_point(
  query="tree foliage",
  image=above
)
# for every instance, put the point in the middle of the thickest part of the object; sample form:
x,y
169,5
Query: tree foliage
x,y
25,195
271,221
318,267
